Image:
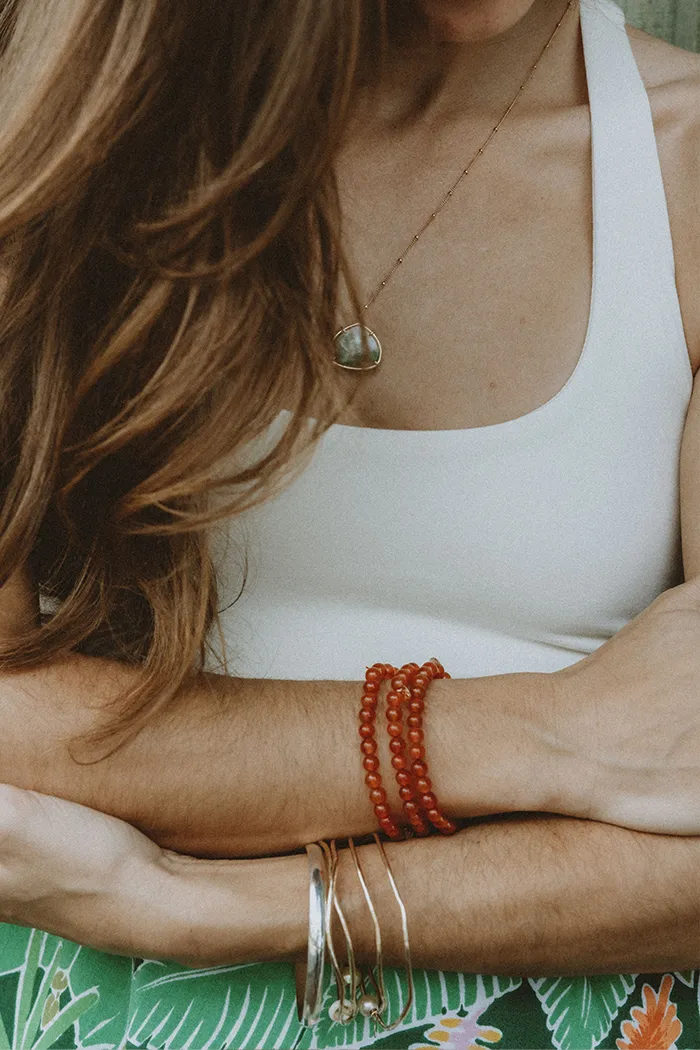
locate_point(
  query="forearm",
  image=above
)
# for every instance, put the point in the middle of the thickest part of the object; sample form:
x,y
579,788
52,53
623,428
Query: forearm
x,y
527,896
540,895
249,767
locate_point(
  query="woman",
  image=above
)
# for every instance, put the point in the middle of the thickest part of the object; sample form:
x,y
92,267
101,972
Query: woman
x,y
174,281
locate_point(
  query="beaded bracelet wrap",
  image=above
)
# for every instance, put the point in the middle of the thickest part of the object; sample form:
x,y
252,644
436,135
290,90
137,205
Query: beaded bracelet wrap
x,y
368,746
420,805
416,750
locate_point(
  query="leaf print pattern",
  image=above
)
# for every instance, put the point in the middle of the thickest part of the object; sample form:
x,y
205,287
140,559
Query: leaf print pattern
x,y
460,1033
655,1026
251,1006
581,1010
436,993
57,995
41,1019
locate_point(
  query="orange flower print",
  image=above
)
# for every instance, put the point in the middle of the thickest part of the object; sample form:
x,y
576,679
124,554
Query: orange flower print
x,y
655,1027
459,1033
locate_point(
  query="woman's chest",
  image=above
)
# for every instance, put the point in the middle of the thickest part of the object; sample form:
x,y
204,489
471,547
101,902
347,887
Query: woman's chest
x,y
486,318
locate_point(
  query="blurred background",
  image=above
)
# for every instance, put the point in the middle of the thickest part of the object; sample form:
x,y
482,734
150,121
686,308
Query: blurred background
x,y
677,21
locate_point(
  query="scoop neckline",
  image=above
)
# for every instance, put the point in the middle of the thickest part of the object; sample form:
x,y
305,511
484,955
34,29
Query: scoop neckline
x,y
510,425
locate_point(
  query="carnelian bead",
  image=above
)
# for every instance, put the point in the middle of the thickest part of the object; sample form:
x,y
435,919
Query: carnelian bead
x,y
417,695
372,687
377,795
414,721
406,794
398,762
419,769
394,730
366,716
393,714
428,800
366,731
373,780
422,680
415,735
416,751
370,763
450,826
393,699
382,811
368,747
411,807
374,675
423,785
397,746
403,779
369,702
434,815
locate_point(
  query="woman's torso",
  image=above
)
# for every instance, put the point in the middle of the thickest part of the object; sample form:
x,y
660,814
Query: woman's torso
x,y
511,499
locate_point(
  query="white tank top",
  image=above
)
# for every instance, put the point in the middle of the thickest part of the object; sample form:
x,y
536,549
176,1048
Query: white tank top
x,y
519,546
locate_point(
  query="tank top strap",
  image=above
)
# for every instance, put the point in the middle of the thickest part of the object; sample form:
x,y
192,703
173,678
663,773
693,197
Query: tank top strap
x,y
631,213
634,273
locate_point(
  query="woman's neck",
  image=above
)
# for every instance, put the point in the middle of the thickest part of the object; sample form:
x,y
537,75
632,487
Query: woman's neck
x,y
435,81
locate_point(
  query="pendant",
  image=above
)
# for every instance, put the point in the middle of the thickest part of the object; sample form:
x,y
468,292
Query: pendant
x,y
349,352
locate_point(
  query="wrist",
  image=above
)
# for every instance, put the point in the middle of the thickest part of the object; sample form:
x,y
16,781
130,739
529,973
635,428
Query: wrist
x,y
496,747
235,911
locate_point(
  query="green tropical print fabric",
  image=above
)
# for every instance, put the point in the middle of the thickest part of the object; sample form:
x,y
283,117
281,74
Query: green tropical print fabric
x,y
57,995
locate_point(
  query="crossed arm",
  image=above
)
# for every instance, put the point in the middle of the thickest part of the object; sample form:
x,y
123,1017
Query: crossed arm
x,y
525,894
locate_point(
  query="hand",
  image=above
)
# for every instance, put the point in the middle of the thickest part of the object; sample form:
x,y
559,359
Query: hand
x,y
628,720
78,873
96,880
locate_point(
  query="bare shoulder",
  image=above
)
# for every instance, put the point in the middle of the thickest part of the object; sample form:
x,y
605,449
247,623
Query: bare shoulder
x,y
671,76
661,64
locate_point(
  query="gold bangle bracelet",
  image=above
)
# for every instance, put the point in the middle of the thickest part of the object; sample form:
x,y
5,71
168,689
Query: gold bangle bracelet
x,y
341,1011
368,1006
375,1010
406,943
351,964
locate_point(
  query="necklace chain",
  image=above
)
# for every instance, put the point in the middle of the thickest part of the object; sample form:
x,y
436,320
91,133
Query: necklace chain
x,y
387,277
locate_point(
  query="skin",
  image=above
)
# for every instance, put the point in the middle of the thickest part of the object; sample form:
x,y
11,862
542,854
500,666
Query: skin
x,y
119,872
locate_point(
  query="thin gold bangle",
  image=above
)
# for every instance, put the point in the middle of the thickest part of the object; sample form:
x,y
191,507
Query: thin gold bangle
x,y
344,1014
352,965
379,982
406,943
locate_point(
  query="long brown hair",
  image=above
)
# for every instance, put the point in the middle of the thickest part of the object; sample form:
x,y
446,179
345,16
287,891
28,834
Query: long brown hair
x,y
170,260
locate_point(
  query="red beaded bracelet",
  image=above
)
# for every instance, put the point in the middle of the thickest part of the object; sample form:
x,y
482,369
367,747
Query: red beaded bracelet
x,y
400,691
419,767
368,713
410,683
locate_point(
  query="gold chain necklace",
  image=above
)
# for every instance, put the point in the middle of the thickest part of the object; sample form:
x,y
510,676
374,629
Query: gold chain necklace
x,y
350,352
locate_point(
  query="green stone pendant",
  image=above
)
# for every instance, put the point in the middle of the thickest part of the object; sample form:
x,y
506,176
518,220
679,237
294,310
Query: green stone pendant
x,y
349,352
